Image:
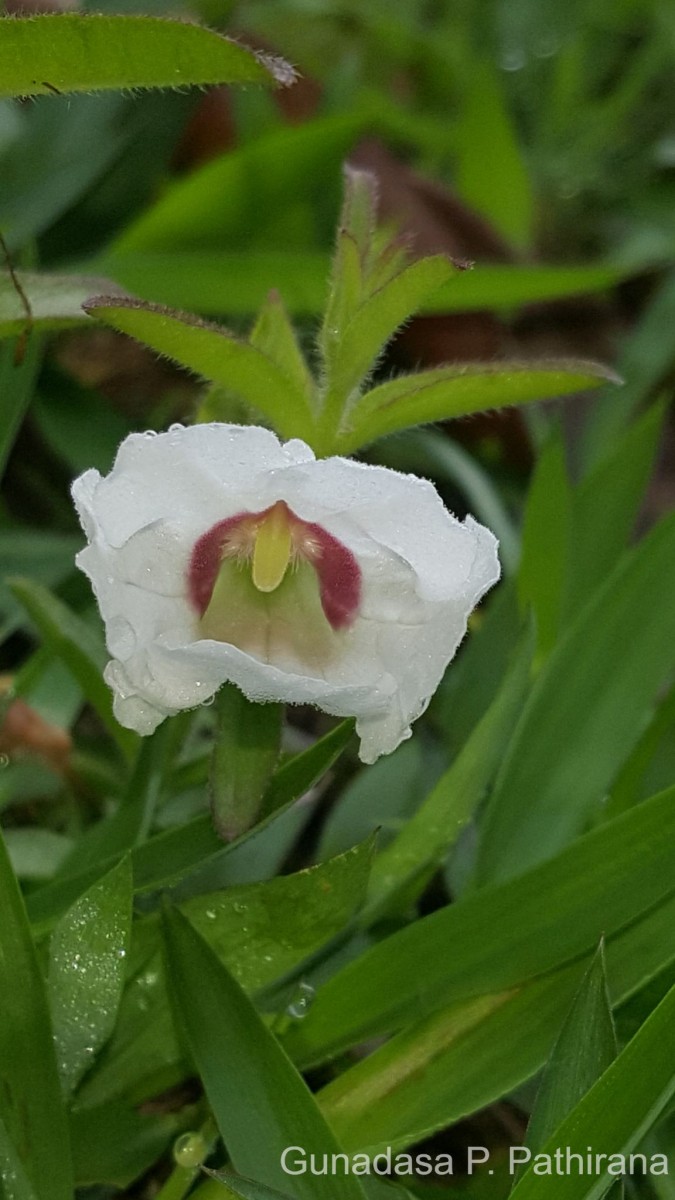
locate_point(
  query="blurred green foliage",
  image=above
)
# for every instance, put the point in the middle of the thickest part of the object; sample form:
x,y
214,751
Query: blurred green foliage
x,y
532,814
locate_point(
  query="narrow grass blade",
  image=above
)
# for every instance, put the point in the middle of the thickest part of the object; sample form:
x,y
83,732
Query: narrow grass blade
x,y
77,644
260,1104
497,938
31,1105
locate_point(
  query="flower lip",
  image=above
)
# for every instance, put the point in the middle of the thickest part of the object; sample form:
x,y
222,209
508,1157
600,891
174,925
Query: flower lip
x,y
272,540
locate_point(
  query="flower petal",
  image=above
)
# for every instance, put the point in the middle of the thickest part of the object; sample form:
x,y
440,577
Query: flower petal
x,y
419,574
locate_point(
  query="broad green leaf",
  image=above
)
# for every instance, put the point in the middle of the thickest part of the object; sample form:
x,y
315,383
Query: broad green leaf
x,y
46,557
65,147
72,52
491,174
645,364
261,931
629,786
213,353
245,1071
87,967
501,936
618,1111
31,1107
55,300
428,836
444,393
244,756
226,203
19,364
585,1048
14,1182
586,710
274,335
605,507
465,1057
115,1144
546,544
382,797
168,857
67,636
214,282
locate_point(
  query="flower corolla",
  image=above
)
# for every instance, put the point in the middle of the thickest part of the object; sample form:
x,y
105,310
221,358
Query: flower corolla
x,y
217,554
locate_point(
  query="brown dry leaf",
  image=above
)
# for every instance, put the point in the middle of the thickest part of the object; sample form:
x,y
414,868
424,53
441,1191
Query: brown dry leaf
x,y
24,732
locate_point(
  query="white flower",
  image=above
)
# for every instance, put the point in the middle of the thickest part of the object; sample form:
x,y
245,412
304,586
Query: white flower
x,y
216,553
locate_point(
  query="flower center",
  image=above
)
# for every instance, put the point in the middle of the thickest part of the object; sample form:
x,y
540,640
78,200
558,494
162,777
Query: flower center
x,y
240,584
272,548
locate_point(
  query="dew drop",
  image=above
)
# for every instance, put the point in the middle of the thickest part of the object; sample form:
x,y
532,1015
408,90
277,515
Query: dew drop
x,y
210,914
190,1150
4,760
513,59
302,1002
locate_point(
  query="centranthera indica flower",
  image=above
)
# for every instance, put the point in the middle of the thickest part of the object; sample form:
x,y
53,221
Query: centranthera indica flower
x,y
219,554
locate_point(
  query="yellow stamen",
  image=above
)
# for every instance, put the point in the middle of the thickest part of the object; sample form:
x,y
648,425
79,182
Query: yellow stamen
x,y
273,548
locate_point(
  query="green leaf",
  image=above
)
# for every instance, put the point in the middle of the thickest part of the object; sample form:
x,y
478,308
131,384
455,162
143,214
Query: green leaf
x,y
645,364
273,335
17,382
347,283
248,1189
245,1071
261,931
129,824
70,52
14,1182
618,1111
77,644
351,351
491,175
213,353
31,1107
244,756
47,557
586,710
546,543
264,184
498,937
585,1048
605,507
168,857
55,300
468,1055
86,971
428,836
445,393
115,1144
217,281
